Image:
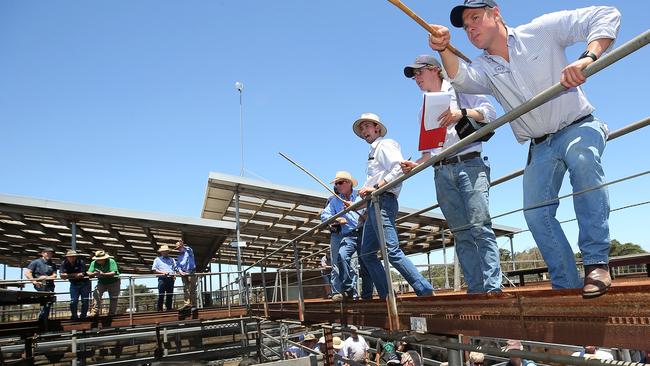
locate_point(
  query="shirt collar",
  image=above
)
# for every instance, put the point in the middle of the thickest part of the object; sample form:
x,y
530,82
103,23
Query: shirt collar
x,y
512,37
376,142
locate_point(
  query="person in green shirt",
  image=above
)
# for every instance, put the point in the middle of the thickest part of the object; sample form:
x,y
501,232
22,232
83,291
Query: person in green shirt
x,y
105,269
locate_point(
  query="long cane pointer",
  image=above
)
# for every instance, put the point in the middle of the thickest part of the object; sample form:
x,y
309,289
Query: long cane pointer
x,y
426,26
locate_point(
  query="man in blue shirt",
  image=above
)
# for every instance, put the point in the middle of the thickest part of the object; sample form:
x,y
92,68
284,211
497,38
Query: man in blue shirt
x,y
165,267
73,269
42,273
345,239
186,268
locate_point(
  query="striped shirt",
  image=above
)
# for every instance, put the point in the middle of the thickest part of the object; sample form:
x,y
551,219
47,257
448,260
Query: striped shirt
x,y
537,57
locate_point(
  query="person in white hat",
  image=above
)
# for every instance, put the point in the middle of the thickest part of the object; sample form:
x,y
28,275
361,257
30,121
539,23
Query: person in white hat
x,y
345,238
104,267
73,269
165,268
462,180
384,160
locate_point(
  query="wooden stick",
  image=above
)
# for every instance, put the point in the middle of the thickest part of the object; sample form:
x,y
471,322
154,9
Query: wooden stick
x,y
313,176
426,26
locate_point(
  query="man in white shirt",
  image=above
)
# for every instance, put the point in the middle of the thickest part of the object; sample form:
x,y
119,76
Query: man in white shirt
x,y
355,346
517,64
462,180
383,167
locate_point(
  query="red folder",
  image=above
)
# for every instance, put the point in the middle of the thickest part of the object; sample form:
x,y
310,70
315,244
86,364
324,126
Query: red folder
x,y
430,139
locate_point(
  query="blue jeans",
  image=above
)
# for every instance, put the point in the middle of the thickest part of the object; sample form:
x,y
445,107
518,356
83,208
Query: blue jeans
x,y
79,289
463,194
370,245
166,292
335,244
350,244
44,313
576,148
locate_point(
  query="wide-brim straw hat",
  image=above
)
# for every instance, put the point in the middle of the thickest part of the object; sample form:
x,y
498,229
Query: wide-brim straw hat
x,y
100,254
71,253
343,175
309,337
372,118
337,343
164,248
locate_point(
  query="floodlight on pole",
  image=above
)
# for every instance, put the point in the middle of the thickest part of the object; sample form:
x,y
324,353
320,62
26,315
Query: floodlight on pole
x,y
240,87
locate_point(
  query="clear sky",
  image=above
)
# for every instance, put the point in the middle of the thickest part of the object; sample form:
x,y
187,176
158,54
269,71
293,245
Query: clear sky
x,y
131,104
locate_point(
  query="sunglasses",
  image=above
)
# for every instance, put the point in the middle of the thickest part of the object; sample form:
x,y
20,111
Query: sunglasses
x,y
338,183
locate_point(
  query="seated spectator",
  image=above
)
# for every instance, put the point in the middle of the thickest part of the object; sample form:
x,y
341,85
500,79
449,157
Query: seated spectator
x,y
593,352
411,358
513,344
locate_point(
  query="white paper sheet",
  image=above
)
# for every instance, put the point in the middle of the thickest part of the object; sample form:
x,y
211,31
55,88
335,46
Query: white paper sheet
x,y
434,105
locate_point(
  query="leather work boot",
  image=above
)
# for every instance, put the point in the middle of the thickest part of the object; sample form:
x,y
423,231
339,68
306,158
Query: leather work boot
x,y
597,281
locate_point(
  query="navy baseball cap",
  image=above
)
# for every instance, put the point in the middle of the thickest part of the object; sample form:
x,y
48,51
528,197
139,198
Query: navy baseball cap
x,y
420,62
457,12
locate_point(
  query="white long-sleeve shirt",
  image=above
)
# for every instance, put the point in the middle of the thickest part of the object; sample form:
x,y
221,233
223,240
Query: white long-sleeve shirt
x,y
383,163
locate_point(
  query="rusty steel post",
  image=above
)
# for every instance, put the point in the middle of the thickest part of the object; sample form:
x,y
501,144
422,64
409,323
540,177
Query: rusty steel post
x,y
301,297
329,354
266,302
391,303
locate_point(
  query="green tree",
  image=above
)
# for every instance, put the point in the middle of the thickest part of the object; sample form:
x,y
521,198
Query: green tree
x,y
145,299
617,249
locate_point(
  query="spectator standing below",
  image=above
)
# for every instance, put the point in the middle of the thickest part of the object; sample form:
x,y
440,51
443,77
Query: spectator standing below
x,y
165,267
384,160
337,344
462,180
386,353
514,344
42,273
355,347
326,274
105,269
186,268
517,64
73,269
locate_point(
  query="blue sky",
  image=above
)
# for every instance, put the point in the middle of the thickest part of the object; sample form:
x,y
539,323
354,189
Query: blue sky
x,y
131,104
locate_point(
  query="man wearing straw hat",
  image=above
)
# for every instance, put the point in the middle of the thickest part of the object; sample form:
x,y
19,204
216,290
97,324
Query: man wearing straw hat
x,y
42,273
186,266
345,239
517,64
383,167
104,267
165,267
462,180
73,269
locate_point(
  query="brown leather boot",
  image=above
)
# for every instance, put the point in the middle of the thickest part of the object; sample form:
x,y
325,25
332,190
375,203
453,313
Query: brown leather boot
x,y
597,281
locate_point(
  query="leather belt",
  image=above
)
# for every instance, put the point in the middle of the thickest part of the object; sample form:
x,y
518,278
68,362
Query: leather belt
x,y
539,140
458,158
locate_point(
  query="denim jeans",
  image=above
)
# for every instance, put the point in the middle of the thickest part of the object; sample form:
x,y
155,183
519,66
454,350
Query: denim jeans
x,y
370,245
350,244
462,190
335,279
576,148
44,313
79,289
165,292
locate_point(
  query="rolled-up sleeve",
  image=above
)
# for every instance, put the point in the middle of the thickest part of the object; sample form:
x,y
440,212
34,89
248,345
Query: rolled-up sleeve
x,y
481,104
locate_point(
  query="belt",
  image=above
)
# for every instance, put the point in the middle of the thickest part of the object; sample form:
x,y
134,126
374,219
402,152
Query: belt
x,y
458,158
539,140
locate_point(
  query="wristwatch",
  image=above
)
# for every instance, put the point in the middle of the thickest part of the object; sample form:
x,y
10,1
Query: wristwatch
x,y
463,111
589,54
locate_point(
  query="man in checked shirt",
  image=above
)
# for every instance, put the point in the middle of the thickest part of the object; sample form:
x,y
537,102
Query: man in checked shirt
x,y
384,166
517,64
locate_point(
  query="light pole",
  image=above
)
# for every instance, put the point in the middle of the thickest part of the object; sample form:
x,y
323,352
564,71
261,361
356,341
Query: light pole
x,y
240,87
